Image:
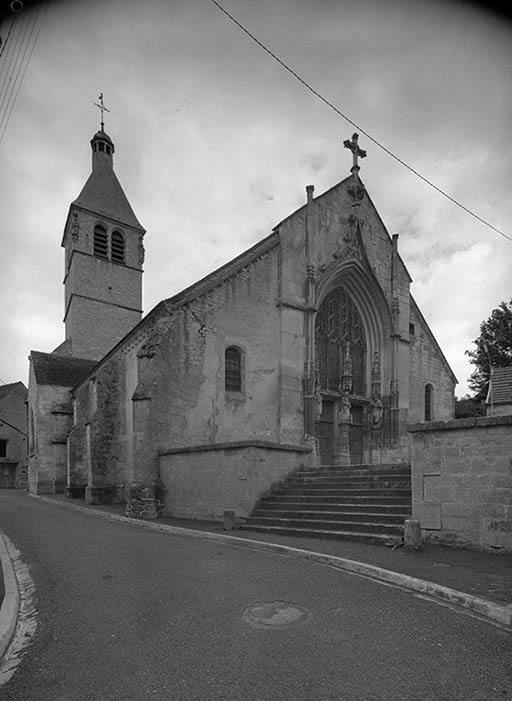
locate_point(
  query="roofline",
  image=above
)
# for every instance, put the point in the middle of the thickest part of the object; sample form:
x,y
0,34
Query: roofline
x,y
433,338
192,292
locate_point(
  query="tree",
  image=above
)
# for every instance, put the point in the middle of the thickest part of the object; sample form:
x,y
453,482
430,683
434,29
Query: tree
x,y
493,348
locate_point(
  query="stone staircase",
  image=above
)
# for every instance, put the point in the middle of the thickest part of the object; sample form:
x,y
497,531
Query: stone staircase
x,y
365,503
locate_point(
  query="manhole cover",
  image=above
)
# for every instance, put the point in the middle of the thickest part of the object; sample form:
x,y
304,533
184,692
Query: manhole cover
x,y
274,614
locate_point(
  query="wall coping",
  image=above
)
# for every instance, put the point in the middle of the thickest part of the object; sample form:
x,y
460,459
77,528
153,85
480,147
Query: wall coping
x,y
234,445
455,424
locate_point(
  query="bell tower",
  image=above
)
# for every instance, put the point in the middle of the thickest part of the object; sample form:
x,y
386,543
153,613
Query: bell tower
x,y
104,254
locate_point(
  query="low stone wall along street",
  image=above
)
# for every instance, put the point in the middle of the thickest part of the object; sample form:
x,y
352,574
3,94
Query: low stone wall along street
x,y
204,481
462,481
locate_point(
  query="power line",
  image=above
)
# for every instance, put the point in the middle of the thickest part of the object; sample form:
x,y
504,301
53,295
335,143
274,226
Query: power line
x,y
354,124
13,83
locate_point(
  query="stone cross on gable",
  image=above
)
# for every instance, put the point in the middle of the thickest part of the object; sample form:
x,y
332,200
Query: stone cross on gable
x,y
102,109
356,151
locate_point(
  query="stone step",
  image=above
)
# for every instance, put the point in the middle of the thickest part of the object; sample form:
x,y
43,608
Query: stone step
x,y
368,538
284,496
348,483
324,515
337,525
312,490
335,507
356,471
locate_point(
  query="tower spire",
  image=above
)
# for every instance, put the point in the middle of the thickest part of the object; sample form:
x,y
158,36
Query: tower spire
x,y
102,109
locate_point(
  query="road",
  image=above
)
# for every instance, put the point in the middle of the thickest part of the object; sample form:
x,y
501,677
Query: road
x,y
128,613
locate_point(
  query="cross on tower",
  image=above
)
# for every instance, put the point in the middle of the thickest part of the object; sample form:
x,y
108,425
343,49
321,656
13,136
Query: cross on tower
x,y
102,109
356,151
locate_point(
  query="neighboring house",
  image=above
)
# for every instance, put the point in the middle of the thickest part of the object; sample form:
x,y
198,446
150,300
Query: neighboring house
x,y
13,435
499,395
308,347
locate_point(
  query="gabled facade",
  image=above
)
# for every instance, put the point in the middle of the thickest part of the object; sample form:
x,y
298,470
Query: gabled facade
x,y
13,435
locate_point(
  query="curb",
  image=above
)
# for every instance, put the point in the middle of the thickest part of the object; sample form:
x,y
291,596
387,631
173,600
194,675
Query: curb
x,y
11,601
497,613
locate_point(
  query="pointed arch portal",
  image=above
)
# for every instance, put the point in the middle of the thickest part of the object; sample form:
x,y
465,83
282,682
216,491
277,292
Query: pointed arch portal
x,y
339,329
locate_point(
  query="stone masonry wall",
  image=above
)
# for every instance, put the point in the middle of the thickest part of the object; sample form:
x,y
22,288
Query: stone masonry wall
x,y
427,367
204,481
462,481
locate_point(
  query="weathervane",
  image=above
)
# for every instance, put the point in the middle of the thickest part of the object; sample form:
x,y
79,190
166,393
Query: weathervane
x,y
356,151
102,109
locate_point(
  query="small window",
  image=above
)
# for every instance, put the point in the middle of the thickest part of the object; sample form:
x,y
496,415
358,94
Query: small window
x,y
412,330
3,448
233,370
117,247
100,242
101,146
109,150
429,398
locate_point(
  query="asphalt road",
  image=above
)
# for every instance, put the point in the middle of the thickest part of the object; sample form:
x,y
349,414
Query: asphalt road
x,y
127,613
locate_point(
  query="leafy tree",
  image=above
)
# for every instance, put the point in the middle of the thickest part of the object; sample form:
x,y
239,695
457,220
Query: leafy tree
x,y
493,347
467,407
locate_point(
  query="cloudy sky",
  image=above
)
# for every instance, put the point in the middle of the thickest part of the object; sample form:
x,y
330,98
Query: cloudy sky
x,y
215,142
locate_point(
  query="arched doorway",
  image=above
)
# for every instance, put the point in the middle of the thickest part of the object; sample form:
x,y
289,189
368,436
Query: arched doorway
x,y
340,347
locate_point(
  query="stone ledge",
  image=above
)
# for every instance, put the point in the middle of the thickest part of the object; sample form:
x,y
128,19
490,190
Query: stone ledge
x,y
454,424
234,445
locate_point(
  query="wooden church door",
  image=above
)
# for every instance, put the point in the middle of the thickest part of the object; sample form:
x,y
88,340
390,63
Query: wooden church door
x,y
338,324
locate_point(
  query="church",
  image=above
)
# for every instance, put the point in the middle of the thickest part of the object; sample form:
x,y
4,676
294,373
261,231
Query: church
x,y
306,350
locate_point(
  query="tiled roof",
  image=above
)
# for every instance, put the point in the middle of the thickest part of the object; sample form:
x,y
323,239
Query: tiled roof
x,y
500,391
59,370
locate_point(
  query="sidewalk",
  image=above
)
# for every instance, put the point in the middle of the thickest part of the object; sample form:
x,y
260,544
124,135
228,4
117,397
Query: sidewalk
x,y
479,574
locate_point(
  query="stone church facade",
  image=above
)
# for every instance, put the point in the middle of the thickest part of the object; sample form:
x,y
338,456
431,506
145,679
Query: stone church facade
x,y
306,349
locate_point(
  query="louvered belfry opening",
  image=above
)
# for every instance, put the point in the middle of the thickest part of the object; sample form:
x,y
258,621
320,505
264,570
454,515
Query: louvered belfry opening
x,y
339,323
100,242
117,247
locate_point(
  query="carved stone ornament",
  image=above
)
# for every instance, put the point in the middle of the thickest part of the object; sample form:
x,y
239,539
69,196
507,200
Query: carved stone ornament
x,y
349,246
376,410
75,226
356,191
149,348
141,251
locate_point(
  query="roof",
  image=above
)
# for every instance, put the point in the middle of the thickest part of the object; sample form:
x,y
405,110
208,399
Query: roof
x,y
13,386
59,370
500,387
103,194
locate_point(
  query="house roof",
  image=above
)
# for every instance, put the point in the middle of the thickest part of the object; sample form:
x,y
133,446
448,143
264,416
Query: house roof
x,y
5,390
500,387
59,370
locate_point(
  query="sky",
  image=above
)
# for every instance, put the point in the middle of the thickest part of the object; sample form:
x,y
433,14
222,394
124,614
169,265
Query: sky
x,y
216,142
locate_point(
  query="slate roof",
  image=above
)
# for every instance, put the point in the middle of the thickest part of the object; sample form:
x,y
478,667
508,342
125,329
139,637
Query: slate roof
x,y
103,193
501,386
59,370
7,389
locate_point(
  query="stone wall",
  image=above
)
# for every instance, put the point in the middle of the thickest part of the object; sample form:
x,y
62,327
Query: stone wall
x,y
427,366
204,481
49,425
462,481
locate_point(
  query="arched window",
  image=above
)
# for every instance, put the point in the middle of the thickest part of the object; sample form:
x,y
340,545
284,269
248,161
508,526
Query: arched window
x,y
117,247
339,327
232,370
429,403
100,241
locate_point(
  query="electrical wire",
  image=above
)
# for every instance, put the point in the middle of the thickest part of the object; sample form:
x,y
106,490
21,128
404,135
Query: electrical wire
x,y
13,84
354,124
